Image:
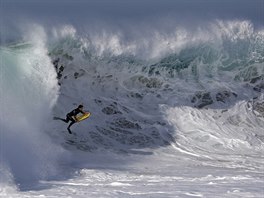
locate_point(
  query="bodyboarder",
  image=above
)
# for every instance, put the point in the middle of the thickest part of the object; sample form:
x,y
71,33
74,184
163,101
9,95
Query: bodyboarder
x,y
72,116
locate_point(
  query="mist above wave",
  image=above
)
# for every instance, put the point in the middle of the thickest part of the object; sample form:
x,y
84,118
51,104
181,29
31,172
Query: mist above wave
x,y
156,43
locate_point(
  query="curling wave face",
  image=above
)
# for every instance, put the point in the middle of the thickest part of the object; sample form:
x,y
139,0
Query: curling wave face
x,y
140,91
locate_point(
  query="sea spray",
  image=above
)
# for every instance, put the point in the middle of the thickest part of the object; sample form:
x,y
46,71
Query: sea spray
x,y
28,92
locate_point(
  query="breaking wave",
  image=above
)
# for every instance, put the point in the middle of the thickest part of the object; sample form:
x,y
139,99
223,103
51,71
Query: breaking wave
x,y
199,92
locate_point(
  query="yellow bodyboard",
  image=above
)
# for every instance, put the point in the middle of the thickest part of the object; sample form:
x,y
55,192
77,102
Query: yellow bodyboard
x,y
83,117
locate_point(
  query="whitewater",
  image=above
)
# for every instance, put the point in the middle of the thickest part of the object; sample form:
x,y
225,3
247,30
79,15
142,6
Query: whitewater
x,y
176,113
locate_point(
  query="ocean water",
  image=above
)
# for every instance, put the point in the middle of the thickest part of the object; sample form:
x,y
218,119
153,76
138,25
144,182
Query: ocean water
x,y
175,113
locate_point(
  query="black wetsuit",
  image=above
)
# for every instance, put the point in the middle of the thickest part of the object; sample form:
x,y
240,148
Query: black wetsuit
x,y
69,117
74,112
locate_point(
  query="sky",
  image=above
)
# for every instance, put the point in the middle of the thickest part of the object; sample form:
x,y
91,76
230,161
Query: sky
x,y
125,15
78,11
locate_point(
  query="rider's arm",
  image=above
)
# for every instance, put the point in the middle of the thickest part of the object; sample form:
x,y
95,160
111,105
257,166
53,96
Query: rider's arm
x,y
75,118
